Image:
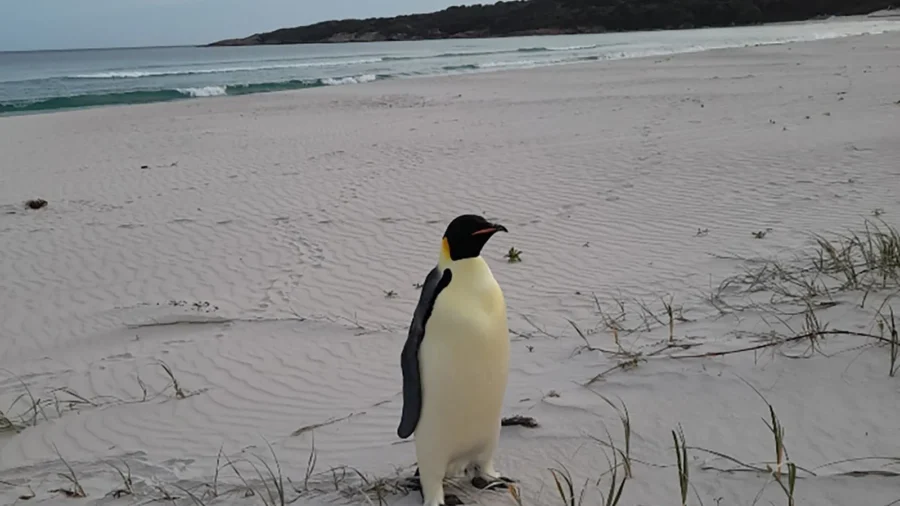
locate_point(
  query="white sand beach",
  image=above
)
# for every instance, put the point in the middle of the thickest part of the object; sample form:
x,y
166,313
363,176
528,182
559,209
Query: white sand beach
x,y
266,249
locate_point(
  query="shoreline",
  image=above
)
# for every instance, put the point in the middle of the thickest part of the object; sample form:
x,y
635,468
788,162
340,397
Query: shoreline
x,y
141,96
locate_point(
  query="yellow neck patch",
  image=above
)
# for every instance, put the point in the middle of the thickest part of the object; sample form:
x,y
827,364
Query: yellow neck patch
x,y
445,251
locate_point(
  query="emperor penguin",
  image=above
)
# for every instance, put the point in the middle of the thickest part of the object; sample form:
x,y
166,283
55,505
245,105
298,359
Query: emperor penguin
x,y
455,364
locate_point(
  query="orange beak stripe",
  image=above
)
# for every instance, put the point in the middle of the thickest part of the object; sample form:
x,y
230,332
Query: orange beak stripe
x,y
485,231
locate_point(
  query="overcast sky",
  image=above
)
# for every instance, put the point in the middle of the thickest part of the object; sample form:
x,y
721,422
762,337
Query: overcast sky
x,y
66,24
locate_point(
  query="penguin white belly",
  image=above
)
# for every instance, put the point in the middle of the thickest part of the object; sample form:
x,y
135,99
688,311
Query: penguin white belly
x,y
464,361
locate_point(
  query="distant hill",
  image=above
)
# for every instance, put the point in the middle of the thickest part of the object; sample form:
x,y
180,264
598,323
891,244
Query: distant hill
x,y
548,17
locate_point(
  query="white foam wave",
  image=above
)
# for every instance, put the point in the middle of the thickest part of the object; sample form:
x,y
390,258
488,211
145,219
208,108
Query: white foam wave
x,y
365,78
115,75
134,74
573,48
500,64
206,91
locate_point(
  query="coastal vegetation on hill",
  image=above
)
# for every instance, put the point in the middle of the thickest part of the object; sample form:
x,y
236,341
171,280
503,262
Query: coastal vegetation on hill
x,y
548,17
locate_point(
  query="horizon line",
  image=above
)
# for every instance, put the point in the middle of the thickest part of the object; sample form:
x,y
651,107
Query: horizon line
x,y
109,48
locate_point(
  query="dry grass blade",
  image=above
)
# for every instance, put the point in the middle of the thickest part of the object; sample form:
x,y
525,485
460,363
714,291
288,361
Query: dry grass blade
x,y
670,312
729,458
777,431
272,497
567,492
250,490
381,488
623,365
196,500
76,397
781,454
215,484
179,392
783,340
837,258
311,462
127,481
277,480
613,323
308,428
791,482
589,347
35,408
625,419
682,460
23,496
894,343
812,327
275,495
616,487
890,461
77,490
166,496
583,337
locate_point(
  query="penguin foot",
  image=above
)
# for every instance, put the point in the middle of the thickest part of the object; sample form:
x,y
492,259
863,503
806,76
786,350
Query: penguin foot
x,y
480,482
452,500
413,483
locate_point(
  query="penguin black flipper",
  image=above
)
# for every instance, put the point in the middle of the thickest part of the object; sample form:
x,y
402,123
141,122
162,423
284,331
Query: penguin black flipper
x,y
409,358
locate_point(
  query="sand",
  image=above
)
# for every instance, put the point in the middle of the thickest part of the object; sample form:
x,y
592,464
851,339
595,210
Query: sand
x,y
265,248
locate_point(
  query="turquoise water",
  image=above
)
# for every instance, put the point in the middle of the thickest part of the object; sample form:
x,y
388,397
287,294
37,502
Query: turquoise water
x,y
51,80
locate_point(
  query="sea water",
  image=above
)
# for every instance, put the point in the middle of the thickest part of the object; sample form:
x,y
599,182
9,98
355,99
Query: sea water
x,y
49,80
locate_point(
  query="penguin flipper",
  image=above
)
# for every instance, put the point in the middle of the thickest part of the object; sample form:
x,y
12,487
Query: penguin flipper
x,y
409,358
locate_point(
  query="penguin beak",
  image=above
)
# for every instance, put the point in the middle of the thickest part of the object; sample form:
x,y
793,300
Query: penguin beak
x,y
492,229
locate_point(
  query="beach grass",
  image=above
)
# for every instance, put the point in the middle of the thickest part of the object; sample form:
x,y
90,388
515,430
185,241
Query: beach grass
x,y
863,263
76,490
127,480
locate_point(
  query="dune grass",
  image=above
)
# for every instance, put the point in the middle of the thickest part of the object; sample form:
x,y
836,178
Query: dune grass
x,y
76,490
781,471
27,410
272,488
127,481
272,482
864,262
681,457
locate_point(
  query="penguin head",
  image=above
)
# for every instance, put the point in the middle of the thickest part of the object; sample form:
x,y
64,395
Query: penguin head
x,y
467,234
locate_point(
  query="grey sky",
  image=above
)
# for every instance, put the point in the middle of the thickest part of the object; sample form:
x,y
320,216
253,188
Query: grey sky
x,y
64,24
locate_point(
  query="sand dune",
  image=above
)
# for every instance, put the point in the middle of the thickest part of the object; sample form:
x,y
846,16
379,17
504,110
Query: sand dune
x,y
266,250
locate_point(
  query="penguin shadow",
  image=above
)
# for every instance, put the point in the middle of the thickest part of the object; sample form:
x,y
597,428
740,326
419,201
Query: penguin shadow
x,y
479,482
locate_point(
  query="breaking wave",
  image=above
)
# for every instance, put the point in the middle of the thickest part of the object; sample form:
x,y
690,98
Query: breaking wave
x,y
137,74
150,96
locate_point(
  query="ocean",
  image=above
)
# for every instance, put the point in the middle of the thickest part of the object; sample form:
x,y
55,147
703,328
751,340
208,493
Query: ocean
x,y
51,80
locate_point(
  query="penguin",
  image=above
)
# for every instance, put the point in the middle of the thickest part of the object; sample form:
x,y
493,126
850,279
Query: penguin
x,y
455,365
